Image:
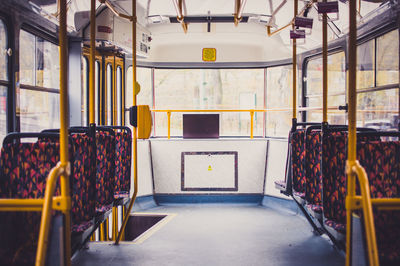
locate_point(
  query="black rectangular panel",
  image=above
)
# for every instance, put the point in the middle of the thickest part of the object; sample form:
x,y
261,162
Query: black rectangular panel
x,y
200,126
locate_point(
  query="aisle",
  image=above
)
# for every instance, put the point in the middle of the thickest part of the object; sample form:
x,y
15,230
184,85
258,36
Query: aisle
x,y
214,234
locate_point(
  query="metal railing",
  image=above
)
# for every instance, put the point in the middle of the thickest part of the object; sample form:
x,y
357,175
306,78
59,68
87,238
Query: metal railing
x,y
250,111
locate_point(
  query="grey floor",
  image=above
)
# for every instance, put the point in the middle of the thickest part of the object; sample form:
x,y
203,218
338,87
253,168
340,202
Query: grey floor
x,y
214,234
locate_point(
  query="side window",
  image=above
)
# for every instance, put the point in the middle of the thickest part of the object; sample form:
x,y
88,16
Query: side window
x,y
109,90
119,96
39,77
378,107
85,91
3,80
279,96
336,88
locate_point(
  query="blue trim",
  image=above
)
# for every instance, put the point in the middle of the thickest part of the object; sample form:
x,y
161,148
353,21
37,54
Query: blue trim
x,y
279,203
144,203
208,198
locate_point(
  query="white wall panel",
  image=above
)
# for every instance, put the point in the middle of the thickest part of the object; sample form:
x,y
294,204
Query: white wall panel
x,y
145,182
276,164
209,171
167,163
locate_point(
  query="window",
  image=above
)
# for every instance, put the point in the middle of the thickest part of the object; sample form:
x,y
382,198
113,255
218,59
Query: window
x,y
336,88
210,89
97,81
119,98
85,92
279,96
366,65
145,96
39,77
387,59
3,81
109,91
378,107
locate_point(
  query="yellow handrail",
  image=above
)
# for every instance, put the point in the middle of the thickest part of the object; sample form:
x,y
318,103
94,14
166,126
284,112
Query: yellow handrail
x,y
250,111
135,162
352,203
43,242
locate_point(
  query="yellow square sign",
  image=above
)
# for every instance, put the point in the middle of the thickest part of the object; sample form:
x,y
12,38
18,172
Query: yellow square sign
x,y
209,54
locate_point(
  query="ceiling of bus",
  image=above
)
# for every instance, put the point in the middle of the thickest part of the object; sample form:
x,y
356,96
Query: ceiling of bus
x,y
259,11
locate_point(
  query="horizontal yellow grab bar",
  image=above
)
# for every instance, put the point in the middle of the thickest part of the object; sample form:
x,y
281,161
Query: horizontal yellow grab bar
x,y
29,204
238,110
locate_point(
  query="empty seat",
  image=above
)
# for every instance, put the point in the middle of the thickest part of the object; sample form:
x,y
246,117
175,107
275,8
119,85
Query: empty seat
x,y
313,147
123,159
334,156
83,182
105,169
381,162
24,168
298,156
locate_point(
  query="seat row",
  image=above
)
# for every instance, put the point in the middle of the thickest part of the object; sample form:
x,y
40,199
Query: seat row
x,y
100,159
316,179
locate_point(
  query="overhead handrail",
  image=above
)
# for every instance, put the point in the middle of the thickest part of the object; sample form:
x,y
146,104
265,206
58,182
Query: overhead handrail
x,y
180,13
291,22
115,11
239,6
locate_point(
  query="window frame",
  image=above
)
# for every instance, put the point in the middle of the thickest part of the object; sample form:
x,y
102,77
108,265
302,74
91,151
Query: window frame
x,y
304,95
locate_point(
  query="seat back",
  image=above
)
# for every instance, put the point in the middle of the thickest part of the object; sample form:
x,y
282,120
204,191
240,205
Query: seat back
x,y
298,156
313,147
105,169
24,168
123,159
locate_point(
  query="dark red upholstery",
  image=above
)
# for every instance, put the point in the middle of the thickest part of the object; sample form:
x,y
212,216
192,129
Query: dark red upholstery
x,y
24,168
334,156
123,158
83,182
313,169
298,156
105,173
381,162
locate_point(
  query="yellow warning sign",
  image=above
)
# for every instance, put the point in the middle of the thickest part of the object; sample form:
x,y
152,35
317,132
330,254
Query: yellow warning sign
x,y
209,168
209,54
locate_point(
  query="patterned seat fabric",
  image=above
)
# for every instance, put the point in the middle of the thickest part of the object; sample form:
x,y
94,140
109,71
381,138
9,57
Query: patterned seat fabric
x,y
340,227
83,182
123,155
105,170
298,156
24,168
313,168
381,162
334,156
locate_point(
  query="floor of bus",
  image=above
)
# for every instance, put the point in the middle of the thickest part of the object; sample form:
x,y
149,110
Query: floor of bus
x,y
219,234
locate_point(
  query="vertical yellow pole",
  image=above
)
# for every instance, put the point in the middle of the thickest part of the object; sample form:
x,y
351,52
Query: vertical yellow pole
x,y
169,124
64,124
92,90
351,156
324,68
251,124
294,115
135,172
107,229
114,223
101,232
